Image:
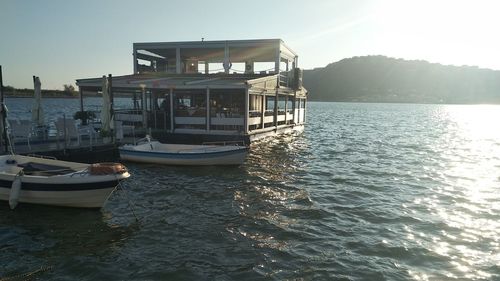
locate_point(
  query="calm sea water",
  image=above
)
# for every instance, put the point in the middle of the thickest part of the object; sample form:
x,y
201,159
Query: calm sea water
x,y
367,192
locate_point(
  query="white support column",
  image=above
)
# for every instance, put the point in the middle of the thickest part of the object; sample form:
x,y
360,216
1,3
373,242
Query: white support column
x,y
276,99
207,69
286,109
277,65
305,104
208,110
277,60
172,117
247,108
227,62
263,107
288,73
178,60
294,106
144,108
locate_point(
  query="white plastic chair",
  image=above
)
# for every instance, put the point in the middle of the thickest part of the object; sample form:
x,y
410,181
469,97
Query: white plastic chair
x,y
68,129
21,129
118,130
122,130
88,130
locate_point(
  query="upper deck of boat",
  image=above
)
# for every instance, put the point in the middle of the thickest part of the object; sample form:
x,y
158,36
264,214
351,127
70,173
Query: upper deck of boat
x,y
153,80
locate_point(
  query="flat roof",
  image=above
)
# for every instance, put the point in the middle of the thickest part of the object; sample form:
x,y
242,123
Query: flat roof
x,y
219,43
240,50
135,82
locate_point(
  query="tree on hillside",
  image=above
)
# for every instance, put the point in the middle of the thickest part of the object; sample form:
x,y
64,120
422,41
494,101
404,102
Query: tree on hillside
x,y
69,90
384,79
8,89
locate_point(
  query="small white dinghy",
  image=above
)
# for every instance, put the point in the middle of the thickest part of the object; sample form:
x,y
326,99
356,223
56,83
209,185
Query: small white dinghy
x,y
27,179
184,154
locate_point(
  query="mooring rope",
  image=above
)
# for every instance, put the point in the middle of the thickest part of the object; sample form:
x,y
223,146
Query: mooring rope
x,y
12,152
131,204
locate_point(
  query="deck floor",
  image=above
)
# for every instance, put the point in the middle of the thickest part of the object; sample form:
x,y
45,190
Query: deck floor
x,y
86,150
22,147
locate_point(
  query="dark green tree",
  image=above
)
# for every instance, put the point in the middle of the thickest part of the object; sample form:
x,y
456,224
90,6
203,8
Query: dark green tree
x,y
69,90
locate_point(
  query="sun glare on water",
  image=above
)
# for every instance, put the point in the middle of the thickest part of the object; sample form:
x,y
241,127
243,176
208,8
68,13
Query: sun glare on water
x,y
467,200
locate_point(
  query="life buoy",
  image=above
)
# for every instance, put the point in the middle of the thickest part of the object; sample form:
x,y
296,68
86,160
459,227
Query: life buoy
x,y
107,168
15,191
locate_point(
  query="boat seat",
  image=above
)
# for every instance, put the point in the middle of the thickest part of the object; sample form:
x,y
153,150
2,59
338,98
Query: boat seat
x,y
68,129
21,129
38,169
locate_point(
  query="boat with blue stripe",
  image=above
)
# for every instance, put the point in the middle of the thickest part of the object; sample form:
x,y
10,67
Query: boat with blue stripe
x,y
35,180
184,154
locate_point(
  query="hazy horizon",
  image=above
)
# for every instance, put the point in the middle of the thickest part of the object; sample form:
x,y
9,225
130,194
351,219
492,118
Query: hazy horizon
x,y
313,68
62,41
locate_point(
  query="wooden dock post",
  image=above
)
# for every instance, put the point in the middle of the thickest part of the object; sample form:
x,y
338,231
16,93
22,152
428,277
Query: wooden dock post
x,y
81,99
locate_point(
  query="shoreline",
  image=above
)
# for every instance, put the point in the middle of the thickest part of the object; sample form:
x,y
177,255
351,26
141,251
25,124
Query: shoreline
x,y
48,97
328,101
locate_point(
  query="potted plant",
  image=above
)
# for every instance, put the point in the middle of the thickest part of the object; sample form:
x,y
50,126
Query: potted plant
x,y
106,136
84,116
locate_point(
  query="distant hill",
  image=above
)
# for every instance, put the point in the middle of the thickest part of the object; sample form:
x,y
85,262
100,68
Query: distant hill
x,y
384,79
68,92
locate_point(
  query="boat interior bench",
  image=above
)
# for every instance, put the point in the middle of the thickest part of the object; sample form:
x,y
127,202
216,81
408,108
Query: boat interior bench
x,y
38,169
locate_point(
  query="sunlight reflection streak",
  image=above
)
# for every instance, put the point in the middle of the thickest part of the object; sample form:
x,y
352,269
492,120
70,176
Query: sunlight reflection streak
x,y
469,151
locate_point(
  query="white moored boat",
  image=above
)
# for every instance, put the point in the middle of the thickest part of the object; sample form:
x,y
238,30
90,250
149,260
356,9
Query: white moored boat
x,y
27,179
184,154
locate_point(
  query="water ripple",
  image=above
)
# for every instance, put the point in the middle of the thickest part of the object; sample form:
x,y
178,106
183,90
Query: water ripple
x,y
367,192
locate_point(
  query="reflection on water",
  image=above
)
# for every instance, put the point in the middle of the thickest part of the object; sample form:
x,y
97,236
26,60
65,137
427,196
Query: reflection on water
x,y
273,203
34,237
421,179
467,198
368,192
459,200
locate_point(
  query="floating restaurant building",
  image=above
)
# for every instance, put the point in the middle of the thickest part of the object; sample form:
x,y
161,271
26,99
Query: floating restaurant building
x,y
214,90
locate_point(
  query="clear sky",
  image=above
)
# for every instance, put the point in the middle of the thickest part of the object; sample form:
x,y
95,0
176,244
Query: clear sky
x,y
63,40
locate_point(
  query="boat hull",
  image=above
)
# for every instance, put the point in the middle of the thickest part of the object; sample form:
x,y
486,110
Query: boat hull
x,y
77,185
92,198
228,157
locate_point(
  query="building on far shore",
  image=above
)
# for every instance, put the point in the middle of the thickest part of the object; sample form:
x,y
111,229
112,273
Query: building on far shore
x,y
211,90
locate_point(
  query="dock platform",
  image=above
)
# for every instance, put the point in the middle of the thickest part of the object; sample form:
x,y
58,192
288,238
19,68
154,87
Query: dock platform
x,y
85,151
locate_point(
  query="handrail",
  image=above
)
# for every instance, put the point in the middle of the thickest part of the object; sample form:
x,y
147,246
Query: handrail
x,y
200,150
144,140
225,143
42,156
